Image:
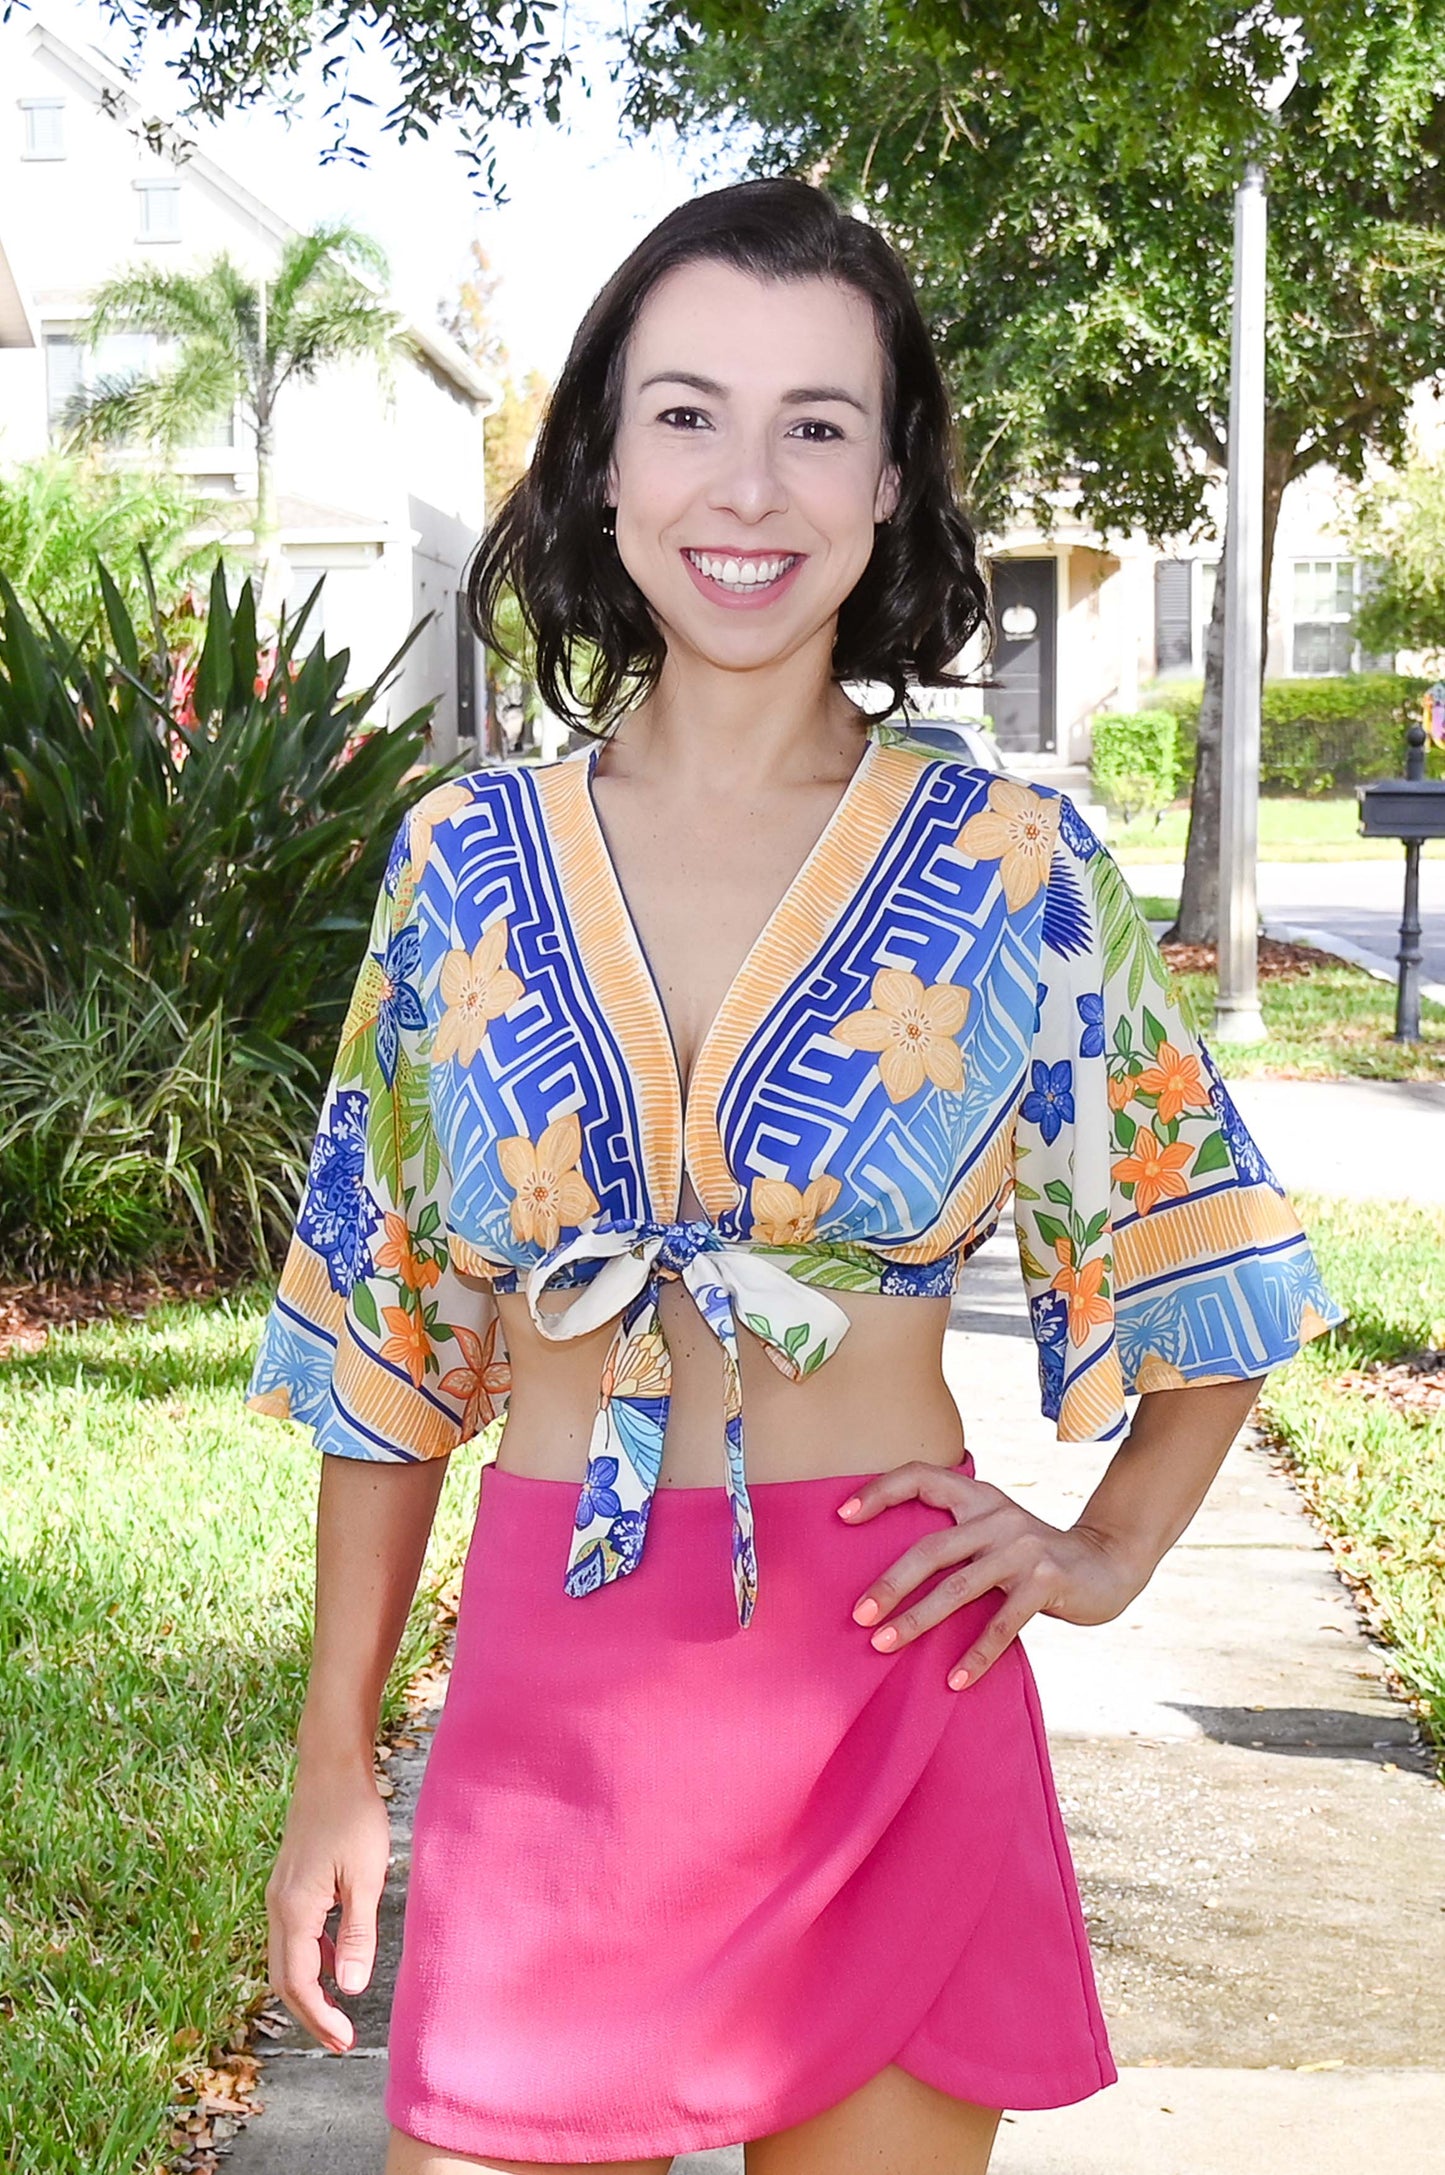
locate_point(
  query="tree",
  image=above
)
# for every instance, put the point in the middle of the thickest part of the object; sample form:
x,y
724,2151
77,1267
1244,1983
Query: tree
x,y
1060,181
1400,521
58,516
238,341
507,438
479,63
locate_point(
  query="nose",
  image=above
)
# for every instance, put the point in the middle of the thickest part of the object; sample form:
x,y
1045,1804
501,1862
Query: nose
x,y
748,482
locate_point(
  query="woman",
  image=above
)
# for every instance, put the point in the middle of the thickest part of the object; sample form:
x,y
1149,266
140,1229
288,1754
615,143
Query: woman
x,y
692,1070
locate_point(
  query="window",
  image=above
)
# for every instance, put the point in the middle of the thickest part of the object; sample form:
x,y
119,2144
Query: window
x,y
1327,593
44,128
71,369
160,211
1173,615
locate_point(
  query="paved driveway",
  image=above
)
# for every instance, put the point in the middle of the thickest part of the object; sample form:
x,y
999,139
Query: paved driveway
x,y
1357,900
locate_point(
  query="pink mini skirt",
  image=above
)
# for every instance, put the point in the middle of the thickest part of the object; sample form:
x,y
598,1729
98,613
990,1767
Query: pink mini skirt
x,y
676,1885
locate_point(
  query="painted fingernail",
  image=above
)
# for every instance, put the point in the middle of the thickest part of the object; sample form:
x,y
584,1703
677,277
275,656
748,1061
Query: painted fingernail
x,y
866,1612
957,1678
885,1638
851,1508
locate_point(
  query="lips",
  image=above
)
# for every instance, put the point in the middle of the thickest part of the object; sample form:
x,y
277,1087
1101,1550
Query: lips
x,y
742,580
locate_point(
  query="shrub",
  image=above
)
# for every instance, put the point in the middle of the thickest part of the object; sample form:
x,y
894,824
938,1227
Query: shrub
x,y
1316,736
1135,761
127,1131
184,818
189,855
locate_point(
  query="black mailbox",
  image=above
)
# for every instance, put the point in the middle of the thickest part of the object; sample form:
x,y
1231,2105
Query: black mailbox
x,y
1403,808
1411,808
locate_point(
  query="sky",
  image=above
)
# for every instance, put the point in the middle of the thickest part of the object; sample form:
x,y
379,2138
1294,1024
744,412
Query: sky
x,y
579,196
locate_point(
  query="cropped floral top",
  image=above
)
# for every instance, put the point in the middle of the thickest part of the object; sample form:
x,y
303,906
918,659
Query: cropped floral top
x,y
956,1001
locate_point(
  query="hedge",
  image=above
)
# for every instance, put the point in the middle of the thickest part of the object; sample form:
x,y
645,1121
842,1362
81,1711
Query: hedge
x,y
1316,736
1135,761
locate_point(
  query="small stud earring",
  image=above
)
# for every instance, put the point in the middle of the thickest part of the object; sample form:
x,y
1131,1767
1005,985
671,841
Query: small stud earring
x,y
609,521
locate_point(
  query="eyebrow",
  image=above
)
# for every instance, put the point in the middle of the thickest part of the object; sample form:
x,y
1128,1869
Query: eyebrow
x,y
800,395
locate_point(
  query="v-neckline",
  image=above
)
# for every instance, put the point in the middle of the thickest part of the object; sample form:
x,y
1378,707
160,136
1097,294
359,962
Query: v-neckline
x,y
679,1130
684,1089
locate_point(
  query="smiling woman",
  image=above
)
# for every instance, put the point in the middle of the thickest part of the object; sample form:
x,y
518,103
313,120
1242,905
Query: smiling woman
x,y
696,1068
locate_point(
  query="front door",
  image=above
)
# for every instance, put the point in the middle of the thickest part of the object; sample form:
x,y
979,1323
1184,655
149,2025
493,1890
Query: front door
x,y
1020,707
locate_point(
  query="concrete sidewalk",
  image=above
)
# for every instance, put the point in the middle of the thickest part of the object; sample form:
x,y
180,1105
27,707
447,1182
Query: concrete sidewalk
x,y
1259,1840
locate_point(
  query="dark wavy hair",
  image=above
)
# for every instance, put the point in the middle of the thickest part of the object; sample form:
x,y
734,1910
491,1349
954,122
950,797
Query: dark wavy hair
x,y
921,595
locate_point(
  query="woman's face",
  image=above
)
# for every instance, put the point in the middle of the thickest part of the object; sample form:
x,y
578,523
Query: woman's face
x,y
749,466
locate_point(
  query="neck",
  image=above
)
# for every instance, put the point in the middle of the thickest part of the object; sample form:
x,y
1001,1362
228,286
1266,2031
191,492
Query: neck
x,y
701,725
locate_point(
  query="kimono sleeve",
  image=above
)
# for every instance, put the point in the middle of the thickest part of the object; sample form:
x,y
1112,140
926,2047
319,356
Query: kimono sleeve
x,y
1157,1246
378,1339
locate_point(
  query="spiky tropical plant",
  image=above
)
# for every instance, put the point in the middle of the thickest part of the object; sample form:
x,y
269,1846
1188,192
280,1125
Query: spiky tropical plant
x,y
238,340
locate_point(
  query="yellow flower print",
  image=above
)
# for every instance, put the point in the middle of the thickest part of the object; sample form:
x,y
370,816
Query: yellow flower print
x,y
433,808
476,989
783,1216
913,1029
408,1345
642,1369
550,1191
1017,829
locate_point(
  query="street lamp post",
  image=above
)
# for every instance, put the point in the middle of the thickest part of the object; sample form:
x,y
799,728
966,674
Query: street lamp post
x,y
1237,1017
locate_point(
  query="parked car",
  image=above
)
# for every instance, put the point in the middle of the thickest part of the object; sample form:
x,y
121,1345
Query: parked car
x,y
961,737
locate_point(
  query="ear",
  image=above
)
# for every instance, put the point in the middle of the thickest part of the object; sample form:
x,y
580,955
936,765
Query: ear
x,y
885,498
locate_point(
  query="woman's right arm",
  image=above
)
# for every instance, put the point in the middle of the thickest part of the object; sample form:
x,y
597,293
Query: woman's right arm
x,y
372,1525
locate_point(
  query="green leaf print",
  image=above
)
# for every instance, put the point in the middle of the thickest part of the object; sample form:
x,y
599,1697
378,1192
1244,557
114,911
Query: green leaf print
x,y
1122,927
1153,1033
1060,1193
795,1338
815,1359
1124,1129
1212,1154
760,1326
1051,1230
363,1306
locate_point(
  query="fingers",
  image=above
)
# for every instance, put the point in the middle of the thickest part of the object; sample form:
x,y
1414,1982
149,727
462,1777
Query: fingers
x,y
931,1553
356,1937
299,1950
1002,1629
943,1487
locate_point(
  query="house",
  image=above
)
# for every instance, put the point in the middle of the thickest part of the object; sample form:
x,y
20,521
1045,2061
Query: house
x,y
1086,622
380,493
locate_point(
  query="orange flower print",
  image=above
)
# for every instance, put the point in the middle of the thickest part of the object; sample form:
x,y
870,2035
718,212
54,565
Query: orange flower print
x,y
1089,1307
483,1382
1176,1080
396,1253
431,809
550,1191
408,1345
784,1216
476,989
1156,1172
1017,829
913,1030
1121,1090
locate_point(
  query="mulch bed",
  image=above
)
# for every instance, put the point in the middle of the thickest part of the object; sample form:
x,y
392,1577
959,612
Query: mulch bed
x,y
1411,1386
28,1312
1277,962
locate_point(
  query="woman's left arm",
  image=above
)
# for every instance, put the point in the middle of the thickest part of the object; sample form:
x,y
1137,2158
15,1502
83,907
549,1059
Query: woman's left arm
x,y
1087,1573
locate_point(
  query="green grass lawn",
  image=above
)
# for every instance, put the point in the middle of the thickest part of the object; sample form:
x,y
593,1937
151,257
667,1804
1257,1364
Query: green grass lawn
x,y
1290,829
155,1589
1375,1477
1331,1024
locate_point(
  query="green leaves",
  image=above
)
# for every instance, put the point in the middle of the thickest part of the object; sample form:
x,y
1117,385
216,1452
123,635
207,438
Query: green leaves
x,y
1129,949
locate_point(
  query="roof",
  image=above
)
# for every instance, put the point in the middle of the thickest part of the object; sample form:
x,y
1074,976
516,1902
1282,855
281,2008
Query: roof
x,y
428,341
17,327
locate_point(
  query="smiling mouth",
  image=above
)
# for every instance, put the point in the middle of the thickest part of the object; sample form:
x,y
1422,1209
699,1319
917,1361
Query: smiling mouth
x,y
743,574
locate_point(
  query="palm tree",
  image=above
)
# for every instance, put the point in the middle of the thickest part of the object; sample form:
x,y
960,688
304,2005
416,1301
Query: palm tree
x,y
238,340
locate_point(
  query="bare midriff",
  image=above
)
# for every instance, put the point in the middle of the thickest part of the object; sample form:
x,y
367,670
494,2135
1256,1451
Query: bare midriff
x,y
879,1401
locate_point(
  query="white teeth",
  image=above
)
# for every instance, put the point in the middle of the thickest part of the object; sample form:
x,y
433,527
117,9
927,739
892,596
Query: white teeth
x,y
740,573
